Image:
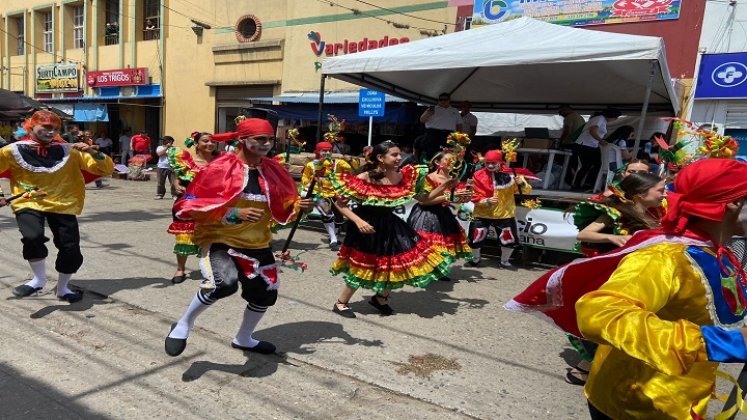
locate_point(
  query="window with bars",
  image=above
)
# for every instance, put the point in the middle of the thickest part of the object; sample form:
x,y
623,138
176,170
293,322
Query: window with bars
x,y
20,36
111,36
47,31
152,23
78,29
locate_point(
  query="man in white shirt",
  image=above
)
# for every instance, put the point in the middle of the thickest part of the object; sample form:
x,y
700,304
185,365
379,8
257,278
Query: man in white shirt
x,y
164,169
105,144
587,146
469,120
440,121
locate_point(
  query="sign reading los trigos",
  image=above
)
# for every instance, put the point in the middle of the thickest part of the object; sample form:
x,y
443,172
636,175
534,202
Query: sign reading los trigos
x,y
57,78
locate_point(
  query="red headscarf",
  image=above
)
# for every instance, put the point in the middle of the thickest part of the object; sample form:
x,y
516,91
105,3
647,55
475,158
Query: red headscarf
x,y
247,127
322,146
703,189
42,118
494,156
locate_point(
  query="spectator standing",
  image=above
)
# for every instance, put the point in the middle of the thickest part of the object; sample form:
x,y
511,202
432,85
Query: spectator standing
x,y
440,120
140,144
105,144
587,146
164,169
573,124
73,134
341,146
124,146
469,120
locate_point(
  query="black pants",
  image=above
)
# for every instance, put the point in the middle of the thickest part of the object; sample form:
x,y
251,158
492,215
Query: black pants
x,y
163,174
66,236
591,159
227,276
478,230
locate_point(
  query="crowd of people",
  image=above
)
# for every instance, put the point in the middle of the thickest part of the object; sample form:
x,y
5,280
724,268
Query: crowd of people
x,y
655,305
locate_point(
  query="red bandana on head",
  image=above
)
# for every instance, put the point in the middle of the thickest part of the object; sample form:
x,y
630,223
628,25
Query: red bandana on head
x,y
42,118
247,127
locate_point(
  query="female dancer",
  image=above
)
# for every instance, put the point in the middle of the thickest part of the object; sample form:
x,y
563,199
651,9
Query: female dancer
x,y
608,224
432,218
185,168
381,252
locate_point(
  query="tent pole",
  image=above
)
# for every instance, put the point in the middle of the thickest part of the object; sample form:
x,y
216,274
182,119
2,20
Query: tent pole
x,y
321,107
644,108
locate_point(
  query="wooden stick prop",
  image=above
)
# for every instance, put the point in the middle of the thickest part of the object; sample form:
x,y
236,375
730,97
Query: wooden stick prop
x,y
284,256
31,193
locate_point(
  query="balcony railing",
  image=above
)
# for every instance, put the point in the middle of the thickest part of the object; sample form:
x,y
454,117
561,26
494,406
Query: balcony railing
x,y
150,34
111,39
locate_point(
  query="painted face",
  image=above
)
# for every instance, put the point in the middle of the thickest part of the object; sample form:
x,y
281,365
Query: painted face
x,y
493,166
654,196
45,133
206,144
391,159
258,145
325,154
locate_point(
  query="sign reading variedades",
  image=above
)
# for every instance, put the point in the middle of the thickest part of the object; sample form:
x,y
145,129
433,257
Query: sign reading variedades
x,y
57,78
330,49
121,77
575,12
722,76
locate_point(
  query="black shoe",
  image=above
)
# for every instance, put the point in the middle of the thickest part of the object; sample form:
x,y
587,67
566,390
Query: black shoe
x,y
25,290
263,347
385,309
179,279
175,346
473,263
334,246
347,312
72,297
444,278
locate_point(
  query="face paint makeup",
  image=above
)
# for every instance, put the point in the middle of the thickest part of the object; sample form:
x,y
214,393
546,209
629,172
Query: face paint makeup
x,y
45,133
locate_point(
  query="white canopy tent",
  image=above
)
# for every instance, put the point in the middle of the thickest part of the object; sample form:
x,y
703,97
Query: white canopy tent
x,y
520,66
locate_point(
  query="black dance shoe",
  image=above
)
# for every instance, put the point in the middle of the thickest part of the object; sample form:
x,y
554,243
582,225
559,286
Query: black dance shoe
x,y
263,347
175,346
25,290
72,297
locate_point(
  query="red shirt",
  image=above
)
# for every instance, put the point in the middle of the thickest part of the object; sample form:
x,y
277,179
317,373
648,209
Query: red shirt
x,y
141,143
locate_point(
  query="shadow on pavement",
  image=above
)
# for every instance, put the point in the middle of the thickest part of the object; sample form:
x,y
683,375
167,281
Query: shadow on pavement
x,y
107,287
297,337
28,398
123,216
89,300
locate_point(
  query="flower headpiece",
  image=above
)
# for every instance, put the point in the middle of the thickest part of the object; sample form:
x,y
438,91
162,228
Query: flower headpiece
x,y
509,147
335,127
614,188
293,134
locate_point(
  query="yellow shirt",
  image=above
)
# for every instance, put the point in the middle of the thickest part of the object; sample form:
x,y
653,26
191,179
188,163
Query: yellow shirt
x,y
506,206
652,361
246,235
63,182
323,169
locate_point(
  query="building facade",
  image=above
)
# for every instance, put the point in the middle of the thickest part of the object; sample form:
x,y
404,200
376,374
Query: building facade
x,y
171,67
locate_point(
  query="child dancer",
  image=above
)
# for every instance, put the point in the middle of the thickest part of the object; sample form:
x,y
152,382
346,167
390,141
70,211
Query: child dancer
x,y
495,206
185,168
432,218
322,169
381,252
45,161
233,201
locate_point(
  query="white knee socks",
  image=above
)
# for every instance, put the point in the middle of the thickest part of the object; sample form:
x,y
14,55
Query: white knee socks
x,y
62,283
506,254
252,315
187,321
331,231
40,273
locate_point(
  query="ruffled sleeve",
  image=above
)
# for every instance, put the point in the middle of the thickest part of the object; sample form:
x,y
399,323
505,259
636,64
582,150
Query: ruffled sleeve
x,y
182,164
588,211
369,194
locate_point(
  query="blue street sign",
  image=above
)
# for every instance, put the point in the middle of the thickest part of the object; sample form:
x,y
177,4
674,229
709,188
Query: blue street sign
x,y
722,76
371,103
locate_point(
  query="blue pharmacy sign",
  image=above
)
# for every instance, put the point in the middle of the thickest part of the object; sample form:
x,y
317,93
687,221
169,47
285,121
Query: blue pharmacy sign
x,y
722,76
371,103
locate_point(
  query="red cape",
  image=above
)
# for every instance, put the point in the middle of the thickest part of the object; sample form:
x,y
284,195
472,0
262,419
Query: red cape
x,y
218,186
555,294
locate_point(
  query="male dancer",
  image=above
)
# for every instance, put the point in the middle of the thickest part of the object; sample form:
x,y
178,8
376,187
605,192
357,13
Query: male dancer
x,y
233,202
43,160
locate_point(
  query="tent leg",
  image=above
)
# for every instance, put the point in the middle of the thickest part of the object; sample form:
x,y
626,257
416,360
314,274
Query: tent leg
x,y
644,108
321,108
